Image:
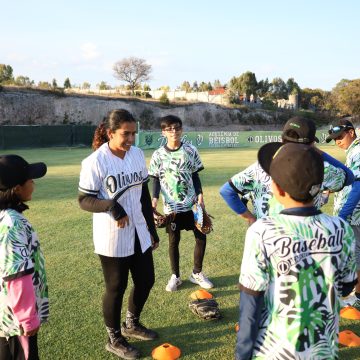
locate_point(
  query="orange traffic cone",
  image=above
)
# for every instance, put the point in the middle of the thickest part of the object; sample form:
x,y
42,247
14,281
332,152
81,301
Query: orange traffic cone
x,y
237,327
201,294
350,312
166,352
348,338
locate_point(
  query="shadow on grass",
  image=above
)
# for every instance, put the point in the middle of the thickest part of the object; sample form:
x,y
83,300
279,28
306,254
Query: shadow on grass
x,y
195,338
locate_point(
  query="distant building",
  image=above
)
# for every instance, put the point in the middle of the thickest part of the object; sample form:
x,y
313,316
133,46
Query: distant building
x,y
291,103
218,91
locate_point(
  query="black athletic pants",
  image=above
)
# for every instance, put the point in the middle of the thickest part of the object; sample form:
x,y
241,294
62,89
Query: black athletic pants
x,y
12,348
116,272
185,221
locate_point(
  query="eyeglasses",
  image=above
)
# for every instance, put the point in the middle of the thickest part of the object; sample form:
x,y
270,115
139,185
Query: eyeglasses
x,y
338,129
173,128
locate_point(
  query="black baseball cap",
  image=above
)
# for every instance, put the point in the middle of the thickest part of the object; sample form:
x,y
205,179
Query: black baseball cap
x,y
299,130
337,129
14,170
297,168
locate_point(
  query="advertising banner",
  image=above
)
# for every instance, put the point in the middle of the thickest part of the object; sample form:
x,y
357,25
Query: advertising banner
x,y
218,139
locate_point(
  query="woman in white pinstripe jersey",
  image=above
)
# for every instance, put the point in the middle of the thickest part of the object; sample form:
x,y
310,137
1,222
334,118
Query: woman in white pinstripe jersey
x,y
113,186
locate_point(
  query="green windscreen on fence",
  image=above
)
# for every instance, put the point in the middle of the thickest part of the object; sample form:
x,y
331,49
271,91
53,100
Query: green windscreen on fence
x,y
218,139
36,136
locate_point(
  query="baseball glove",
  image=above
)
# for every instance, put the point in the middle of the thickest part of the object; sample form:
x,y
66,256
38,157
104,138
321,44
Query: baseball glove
x,y
163,220
206,309
202,219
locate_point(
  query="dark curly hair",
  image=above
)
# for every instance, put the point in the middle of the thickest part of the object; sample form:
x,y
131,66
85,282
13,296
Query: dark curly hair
x,y
169,120
9,200
112,122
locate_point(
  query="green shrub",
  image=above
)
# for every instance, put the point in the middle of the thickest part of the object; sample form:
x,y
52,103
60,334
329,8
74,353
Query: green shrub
x,y
164,99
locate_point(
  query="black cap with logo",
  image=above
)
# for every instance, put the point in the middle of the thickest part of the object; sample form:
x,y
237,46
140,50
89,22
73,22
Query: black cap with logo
x,y
297,168
14,170
339,128
300,130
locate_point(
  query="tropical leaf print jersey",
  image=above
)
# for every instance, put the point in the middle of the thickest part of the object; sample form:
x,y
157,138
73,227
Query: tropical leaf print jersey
x,y
20,254
256,182
353,163
300,262
174,170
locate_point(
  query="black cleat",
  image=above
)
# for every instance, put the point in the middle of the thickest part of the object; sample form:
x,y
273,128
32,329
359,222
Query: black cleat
x,y
122,349
138,331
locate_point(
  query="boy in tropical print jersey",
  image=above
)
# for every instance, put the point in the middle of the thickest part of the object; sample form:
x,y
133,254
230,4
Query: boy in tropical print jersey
x,y
24,301
347,201
295,266
254,181
174,168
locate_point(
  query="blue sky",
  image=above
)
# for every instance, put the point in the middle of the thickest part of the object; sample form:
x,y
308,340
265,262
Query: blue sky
x,y
316,42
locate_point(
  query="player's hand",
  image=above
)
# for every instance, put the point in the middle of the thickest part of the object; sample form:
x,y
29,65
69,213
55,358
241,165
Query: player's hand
x,y
249,217
154,203
124,221
201,200
154,244
31,332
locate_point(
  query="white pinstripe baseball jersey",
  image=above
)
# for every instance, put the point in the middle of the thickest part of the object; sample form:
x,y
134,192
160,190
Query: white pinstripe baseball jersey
x,y
109,177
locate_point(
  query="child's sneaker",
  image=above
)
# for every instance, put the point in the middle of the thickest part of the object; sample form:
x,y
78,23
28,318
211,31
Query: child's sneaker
x,y
201,280
173,283
356,304
138,331
349,300
122,349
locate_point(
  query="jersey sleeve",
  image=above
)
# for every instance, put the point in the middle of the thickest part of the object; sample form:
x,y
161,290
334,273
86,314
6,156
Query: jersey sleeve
x,y
244,181
254,274
154,168
15,257
348,273
90,178
197,163
334,178
354,164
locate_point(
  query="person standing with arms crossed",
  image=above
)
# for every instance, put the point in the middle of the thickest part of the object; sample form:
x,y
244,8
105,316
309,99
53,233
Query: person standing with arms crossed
x,y
347,201
174,168
113,186
24,302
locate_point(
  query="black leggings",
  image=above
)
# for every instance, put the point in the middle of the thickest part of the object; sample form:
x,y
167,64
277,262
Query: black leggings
x,y
199,250
12,348
116,272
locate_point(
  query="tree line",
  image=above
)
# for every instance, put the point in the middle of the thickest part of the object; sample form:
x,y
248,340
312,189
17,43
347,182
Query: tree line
x,y
343,99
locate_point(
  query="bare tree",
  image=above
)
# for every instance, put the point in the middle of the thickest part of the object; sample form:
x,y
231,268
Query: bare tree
x,y
132,70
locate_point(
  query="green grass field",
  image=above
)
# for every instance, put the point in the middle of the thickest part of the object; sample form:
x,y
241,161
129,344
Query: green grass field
x,y
75,329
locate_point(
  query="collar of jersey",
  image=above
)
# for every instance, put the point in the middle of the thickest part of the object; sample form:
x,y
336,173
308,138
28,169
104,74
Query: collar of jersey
x,y
301,211
352,145
172,150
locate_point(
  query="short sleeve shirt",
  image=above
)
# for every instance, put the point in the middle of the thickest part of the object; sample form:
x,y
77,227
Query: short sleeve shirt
x,y
334,180
300,263
340,199
20,254
174,169
107,176
256,182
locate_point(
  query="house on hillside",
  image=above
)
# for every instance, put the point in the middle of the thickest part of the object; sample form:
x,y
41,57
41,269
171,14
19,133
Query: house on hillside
x,y
292,103
218,91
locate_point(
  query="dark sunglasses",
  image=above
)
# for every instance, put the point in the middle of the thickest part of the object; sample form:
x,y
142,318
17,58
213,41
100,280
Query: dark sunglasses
x,y
338,129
